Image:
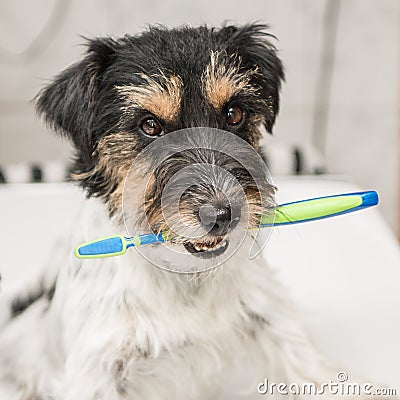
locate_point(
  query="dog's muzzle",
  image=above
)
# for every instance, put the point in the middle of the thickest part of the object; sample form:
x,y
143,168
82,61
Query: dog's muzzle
x,y
218,221
205,196
205,188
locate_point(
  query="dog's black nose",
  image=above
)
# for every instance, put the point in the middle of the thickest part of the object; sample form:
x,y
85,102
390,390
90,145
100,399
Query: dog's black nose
x,y
218,219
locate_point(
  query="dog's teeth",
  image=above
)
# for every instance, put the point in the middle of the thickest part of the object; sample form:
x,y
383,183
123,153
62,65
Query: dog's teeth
x,y
220,245
204,247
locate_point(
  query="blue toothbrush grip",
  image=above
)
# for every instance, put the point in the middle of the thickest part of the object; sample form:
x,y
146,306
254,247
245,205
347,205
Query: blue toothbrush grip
x,y
105,247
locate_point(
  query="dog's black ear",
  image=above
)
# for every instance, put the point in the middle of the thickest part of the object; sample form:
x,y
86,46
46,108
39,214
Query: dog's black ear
x,y
253,44
68,103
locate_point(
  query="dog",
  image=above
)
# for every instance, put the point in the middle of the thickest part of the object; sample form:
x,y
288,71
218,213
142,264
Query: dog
x,y
139,111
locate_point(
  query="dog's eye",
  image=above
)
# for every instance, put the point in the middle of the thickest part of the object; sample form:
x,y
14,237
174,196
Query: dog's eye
x,y
234,115
151,127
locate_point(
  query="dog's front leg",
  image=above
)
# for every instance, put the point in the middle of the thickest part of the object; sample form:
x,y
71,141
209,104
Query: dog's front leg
x,y
98,344
88,381
94,368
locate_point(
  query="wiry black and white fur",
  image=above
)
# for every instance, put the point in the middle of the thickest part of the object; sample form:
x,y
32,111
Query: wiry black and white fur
x,y
121,328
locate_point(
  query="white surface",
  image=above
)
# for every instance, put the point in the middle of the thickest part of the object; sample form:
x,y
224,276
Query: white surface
x,y
33,217
343,272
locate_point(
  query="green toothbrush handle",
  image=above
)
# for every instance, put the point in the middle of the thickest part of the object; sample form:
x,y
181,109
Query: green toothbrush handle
x,y
319,208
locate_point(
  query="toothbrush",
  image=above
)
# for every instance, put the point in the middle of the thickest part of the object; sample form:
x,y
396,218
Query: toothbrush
x,y
284,214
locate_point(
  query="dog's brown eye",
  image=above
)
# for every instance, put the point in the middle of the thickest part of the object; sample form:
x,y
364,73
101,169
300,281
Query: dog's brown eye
x,y
234,115
151,127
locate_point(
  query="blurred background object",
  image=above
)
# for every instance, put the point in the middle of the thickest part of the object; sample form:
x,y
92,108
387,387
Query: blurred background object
x,y
342,63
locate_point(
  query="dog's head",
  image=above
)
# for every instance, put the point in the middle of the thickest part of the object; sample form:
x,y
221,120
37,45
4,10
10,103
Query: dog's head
x,y
129,93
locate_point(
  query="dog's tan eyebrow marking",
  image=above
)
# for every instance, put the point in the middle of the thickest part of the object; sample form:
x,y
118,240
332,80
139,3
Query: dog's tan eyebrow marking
x,y
221,81
161,95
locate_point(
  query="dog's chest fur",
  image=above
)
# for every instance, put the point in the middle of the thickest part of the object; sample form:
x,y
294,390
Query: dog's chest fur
x,y
150,329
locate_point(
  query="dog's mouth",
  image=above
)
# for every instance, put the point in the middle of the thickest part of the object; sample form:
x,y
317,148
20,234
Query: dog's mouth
x,y
207,249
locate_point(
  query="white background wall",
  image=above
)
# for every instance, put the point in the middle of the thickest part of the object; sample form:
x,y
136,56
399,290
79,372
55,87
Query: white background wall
x,y
362,119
